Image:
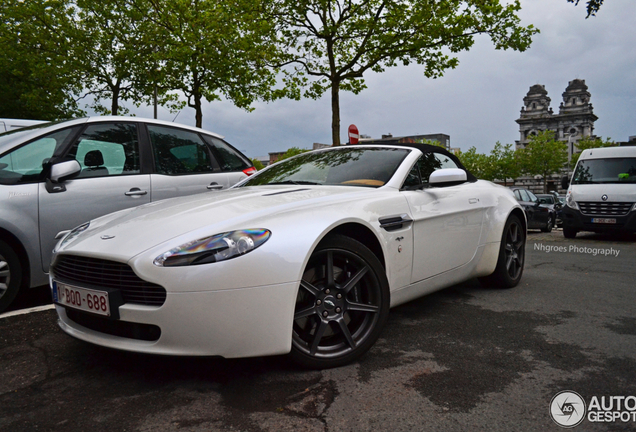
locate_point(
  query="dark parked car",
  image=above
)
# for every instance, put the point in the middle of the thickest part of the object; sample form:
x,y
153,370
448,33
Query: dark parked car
x,y
539,216
553,202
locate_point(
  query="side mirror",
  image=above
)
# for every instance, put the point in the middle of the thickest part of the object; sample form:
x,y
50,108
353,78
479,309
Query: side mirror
x,y
447,177
64,170
565,182
60,172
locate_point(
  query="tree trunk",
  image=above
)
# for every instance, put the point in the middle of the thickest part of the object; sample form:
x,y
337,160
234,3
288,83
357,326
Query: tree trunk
x,y
335,113
114,107
199,113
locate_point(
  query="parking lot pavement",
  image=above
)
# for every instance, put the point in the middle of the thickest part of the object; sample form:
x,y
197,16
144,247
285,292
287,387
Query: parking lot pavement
x,y
466,358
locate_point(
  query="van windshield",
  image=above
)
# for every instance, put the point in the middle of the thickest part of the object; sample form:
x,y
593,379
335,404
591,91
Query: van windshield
x,y
611,170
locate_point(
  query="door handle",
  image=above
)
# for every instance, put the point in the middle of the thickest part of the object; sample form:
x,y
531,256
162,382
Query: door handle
x,y
135,192
215,186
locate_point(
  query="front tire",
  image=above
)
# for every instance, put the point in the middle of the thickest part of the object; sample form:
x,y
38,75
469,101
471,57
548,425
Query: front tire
x,y
569,233
10,275
342,304
549,225
511,259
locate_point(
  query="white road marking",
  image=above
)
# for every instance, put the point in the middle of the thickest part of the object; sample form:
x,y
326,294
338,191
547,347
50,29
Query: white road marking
x,y
27,311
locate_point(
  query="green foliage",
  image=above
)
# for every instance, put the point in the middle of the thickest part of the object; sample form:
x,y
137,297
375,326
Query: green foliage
x,y
336,42
592,6
257,164
588,143
37,76
544,156
291,152
477,163
504,163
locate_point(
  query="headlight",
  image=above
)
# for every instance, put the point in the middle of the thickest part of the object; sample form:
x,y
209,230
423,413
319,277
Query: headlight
x,y
72,235
569,201
213,249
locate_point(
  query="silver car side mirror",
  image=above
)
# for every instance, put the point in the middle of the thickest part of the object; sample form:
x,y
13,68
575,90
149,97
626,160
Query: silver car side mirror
x,y
63,170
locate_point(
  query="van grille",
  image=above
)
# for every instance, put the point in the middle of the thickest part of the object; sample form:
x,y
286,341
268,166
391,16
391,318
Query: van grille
x,y
96,273
605,208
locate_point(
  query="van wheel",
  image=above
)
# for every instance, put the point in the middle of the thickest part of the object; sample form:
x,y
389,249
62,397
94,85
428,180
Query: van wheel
x,y
10,275
569,233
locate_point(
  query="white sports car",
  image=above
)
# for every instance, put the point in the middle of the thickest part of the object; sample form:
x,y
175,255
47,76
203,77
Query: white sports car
x,y
307,256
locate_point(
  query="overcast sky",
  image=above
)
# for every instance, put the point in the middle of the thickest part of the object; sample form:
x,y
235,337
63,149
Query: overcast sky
x,y
476,104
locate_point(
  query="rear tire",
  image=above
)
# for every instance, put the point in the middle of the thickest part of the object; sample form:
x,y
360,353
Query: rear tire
x,y
511,259
10,275
342,304
569,233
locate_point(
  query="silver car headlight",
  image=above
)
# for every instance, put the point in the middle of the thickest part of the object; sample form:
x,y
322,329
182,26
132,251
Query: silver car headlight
x,y
72,235
569,201
219,247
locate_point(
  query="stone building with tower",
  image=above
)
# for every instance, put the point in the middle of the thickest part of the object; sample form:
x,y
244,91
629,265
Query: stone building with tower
x,y
574,121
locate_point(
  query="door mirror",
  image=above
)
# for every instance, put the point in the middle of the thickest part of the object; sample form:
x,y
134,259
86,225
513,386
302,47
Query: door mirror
x,y
64,170
565,182
447,177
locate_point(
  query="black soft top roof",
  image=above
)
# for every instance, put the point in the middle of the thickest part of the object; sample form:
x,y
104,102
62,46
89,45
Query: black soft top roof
x,y
427,148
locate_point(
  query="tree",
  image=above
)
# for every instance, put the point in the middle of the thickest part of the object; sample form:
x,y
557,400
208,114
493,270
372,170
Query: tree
x,y
37,76
592,6
112,47
335,42
504,163
544,156
477,163
257,164
589,143
211,49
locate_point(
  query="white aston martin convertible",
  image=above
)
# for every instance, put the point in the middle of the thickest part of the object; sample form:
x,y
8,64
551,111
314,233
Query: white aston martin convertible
x,y
305,257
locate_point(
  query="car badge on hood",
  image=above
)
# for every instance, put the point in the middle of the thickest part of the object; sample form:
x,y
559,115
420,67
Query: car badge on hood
x,y
107,237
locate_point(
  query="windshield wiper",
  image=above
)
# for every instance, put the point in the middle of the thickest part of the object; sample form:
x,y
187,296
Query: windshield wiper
x,y
294,182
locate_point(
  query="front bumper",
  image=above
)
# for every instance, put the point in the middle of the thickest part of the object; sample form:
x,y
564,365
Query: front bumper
x,y
229,323
574,219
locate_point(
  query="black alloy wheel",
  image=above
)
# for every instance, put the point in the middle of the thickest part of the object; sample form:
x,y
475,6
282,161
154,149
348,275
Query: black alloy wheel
x,y
511,259
10,275
342,304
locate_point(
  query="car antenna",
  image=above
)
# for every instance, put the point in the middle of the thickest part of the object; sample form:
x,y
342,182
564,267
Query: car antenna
x,y
175,117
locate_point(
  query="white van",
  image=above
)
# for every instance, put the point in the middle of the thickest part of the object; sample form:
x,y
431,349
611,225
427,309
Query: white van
x,y
601,195
7,125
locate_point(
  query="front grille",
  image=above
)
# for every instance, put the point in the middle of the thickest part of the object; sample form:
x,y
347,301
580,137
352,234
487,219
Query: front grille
x,y
96,273
605,208
125,329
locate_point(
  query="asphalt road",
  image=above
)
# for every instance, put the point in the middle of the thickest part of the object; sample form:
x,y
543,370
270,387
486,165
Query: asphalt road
x,y
466,358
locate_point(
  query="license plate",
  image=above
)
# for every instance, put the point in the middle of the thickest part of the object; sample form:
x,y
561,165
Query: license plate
x,y
603,221
88,300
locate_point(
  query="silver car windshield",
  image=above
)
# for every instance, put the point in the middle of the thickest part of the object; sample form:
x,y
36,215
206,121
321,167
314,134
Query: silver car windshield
x,y
611,170
16,134
346,166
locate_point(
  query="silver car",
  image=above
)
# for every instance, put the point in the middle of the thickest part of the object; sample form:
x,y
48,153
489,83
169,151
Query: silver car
x,y
55,176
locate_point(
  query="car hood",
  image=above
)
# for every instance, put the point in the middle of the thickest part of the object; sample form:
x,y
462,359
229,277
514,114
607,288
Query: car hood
x,y
129,232
594,192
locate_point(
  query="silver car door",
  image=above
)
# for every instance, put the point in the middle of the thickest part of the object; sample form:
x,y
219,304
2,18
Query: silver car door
x,y
446,221
110,180
183,164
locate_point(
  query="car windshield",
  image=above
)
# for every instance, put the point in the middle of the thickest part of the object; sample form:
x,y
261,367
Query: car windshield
x,y
18,133
348,166
611,170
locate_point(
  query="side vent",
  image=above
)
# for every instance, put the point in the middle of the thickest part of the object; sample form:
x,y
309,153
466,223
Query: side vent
x,y
394,223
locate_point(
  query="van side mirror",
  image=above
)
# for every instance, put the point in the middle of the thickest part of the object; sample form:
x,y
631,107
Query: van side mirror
x,y
565,182
64,170
60,172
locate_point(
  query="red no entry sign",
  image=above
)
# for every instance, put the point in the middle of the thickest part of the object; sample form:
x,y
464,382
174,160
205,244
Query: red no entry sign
x,y
353,134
